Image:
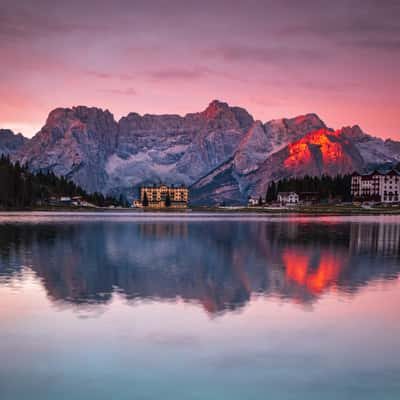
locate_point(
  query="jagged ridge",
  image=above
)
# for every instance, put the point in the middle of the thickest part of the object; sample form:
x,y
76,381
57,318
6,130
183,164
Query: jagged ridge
x,y
222,151
318,152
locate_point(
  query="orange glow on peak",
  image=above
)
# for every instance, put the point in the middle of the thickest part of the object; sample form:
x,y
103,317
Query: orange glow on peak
x,y
300,118
299,153
331,151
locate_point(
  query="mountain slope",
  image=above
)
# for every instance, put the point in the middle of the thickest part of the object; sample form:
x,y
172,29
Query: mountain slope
x,y
228,183
10,142
175,149
74,143
319,152
374,151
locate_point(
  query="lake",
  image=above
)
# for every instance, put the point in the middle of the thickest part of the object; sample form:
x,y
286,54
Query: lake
x,y
196,306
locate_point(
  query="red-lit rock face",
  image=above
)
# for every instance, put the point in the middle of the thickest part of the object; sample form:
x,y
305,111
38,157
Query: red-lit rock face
x,y
327,149
299,153
320,152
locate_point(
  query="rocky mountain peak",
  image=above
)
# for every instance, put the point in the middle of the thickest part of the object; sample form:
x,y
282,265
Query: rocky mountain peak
x,y
82,113
214,108
226,115
354,133
311,118
75,142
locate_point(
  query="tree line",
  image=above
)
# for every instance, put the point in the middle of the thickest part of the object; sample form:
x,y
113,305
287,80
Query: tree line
x,y
20,188
325,187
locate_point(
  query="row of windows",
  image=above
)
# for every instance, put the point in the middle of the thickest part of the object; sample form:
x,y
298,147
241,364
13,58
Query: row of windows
x,y
390,198
178,198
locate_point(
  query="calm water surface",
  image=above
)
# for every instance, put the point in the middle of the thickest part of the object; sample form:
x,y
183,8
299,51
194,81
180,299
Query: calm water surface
x,y
199,307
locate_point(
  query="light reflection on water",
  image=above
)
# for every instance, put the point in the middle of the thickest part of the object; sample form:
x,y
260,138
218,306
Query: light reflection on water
x,y
199,307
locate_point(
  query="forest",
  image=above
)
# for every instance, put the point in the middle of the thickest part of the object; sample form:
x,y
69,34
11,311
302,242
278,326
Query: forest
x,y
325,187
22,189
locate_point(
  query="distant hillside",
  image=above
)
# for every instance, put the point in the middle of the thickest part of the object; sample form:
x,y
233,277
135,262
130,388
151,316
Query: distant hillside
x,y
11,142
22,189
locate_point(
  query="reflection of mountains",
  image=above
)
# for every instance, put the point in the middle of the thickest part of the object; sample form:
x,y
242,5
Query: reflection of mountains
x,y
218,264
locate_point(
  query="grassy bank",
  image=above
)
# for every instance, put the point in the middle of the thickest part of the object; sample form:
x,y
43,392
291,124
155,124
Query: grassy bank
x,y
317,209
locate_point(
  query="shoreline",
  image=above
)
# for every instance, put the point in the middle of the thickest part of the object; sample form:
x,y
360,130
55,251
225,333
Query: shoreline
x,y
318,211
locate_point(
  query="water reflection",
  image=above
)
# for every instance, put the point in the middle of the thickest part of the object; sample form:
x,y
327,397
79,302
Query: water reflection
x,y
218,264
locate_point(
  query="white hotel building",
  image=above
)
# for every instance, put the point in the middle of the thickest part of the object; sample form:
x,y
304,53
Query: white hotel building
x,y
376,186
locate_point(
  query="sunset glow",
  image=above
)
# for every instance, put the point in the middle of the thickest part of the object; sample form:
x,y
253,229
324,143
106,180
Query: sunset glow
x,y
337,59
331,151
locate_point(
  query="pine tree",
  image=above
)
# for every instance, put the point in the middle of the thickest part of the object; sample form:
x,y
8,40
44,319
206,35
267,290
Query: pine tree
x,y
167,200
271,193
145,200
326,187
21,188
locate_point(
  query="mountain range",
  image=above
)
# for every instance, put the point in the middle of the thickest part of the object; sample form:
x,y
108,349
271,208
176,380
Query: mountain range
x,y
221,152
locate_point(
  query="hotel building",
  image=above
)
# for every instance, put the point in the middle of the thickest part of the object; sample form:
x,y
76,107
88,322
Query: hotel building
x,y
376,186
157,196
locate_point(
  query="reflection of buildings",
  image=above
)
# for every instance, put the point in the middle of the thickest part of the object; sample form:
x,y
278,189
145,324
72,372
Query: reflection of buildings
x,y
219,265
377,238
177,230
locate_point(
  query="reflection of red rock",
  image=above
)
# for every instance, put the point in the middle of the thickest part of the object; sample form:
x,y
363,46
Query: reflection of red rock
x,y
210,305
315,280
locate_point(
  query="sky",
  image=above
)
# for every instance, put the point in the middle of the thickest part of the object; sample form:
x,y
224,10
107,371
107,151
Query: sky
x,y
339,59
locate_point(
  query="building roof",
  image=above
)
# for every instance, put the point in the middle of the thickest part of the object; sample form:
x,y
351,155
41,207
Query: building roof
x,y
286,193
389,172
163,185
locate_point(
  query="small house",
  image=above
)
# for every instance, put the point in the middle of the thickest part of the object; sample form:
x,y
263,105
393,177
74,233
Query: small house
x,y
137,204
252,202
288,198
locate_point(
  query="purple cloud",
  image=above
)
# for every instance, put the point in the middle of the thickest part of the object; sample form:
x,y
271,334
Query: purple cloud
x,y
124,92
263,55
178,73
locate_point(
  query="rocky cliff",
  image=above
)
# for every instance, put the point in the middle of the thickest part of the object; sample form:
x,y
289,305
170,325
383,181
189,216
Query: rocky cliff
x,y
75,143
222,152
100,154
321,151
174,149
